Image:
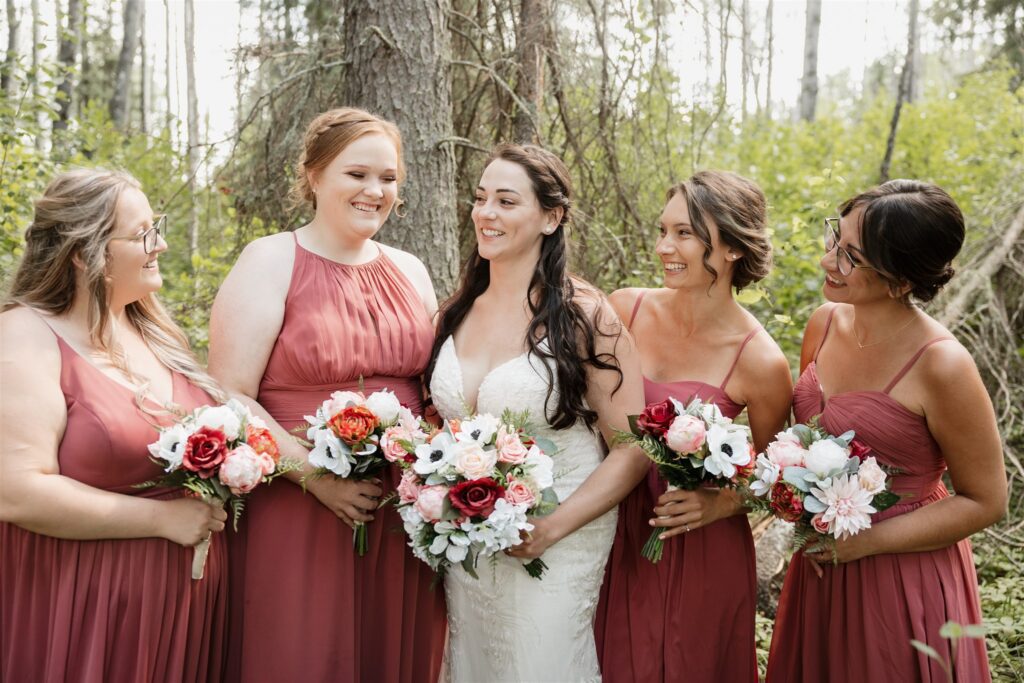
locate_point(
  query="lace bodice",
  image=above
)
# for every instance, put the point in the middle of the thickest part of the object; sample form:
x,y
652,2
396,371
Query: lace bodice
x,y
507,626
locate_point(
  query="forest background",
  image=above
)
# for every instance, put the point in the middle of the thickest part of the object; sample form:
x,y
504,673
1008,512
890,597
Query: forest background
x,y
603,84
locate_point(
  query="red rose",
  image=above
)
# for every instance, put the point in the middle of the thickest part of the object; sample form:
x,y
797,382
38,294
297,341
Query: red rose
x,y
657,418
859,449
476,498
787,502
205,451
261,441
353,424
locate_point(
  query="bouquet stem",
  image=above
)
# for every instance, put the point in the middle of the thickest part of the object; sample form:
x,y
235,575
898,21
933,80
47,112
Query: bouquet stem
x,y
654,547
359,539
202,549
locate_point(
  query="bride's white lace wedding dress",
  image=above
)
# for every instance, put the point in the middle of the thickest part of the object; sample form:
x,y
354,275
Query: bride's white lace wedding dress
x,y
507,626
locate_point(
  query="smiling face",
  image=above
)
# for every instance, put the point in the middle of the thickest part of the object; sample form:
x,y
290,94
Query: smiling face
x,y
131,273
510,222
682,251
358,188
863,284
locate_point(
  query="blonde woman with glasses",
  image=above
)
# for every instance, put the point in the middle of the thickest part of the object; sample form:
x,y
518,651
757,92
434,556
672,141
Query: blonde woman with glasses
x,y
94,572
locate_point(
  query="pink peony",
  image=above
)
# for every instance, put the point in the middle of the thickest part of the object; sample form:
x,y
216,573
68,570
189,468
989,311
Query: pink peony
x,y
686,434
510,448
820,525
267,462
519,493
409,487
786,453
430,502
241,470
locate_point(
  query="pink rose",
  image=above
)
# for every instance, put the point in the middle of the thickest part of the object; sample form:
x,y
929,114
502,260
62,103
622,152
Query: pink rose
x,y
267,462
519,493
409,487
241,470
871,476
510,448
392,449
430,502
686,434
472,461
786,453
820,525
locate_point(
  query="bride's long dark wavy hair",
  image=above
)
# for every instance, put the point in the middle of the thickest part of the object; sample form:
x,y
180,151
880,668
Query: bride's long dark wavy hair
x,y
556,315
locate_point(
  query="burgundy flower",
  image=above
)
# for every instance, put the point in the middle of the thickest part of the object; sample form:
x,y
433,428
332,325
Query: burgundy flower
x,y
476,498
787,502
205,451
657,418
859,449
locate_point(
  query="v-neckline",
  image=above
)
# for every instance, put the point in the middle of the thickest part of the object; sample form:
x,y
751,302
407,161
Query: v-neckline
x,y
483,381
134,391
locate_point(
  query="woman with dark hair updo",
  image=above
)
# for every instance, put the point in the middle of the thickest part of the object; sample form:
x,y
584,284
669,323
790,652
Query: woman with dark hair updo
x,y
521,333
95,580
874,362
303,314
665,622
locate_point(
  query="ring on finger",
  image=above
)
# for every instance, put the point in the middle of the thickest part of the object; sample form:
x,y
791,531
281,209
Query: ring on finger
x,y
687,527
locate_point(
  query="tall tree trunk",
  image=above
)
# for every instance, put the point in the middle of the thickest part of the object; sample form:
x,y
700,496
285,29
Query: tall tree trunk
x,y
40,140
809,84
125,61
745,59
143,75
386,53
193,130
9,69
168,67
903,93
529,88
67,55
770,29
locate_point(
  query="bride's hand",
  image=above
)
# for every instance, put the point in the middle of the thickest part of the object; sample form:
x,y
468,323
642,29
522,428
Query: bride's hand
x,y
535,542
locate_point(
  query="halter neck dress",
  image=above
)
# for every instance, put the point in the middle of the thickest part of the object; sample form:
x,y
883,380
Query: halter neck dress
x,y
110,609
691,616
856,622
306,607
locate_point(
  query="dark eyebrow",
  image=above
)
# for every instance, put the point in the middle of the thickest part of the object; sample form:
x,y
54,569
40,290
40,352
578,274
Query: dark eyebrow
x,y
481,188
678,225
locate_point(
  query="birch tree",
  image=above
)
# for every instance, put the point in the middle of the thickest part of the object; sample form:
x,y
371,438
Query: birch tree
x,y
809,83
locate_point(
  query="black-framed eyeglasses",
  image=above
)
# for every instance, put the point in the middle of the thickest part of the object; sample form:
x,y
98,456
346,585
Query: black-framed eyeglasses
x,y
844,261
151,237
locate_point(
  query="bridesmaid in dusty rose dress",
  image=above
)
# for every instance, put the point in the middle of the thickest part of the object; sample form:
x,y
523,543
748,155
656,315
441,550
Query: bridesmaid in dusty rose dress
x,y
875,363
303,314
691,616
95,575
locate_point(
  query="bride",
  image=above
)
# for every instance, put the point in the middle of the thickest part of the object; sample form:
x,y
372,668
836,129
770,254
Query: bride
x,y
521,333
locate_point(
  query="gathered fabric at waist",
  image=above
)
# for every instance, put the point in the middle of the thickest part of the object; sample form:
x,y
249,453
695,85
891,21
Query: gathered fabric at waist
x,y
914,492
291,403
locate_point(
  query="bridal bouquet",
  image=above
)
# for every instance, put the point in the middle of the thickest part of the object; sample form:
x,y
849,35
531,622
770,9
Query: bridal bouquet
x,y
827,485
355,436
693,445
470,487
220,453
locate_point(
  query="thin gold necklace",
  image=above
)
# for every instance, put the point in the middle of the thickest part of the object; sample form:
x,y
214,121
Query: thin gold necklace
x,y
880,341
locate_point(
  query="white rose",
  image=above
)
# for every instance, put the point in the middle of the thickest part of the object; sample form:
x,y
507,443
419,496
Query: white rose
x,y
385,405
223,418
541,468
170,446
824,457
472,461
872,477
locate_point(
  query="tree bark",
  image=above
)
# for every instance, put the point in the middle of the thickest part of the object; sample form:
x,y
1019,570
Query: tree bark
x,y
530,50
903,92
770,29
745,58
809,83
168,67
67,55
143,75
387,53
193,130
125,61
40,141
10,65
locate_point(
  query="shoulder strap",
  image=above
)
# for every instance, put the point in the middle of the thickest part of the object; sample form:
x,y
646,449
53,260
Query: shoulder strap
x,y
828,325
636,307
736,360
910,363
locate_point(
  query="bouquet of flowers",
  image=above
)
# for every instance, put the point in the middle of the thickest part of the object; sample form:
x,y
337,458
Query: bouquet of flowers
x,y
693,445
346,438
827,485
220,453
468,488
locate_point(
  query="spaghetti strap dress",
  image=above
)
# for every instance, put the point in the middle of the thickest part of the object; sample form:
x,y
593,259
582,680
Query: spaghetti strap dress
x,y
690,617
110,609
856,622
306,607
